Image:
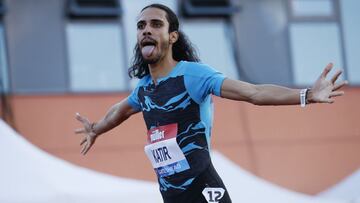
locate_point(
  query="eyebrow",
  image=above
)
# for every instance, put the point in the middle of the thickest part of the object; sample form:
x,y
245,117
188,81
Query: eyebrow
x,y
152,21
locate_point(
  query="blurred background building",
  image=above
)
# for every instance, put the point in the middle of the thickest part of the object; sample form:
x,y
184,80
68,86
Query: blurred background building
x,y
59,57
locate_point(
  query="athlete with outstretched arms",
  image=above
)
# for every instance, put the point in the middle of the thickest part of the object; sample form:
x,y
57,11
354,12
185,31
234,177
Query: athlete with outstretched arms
x,y
174,96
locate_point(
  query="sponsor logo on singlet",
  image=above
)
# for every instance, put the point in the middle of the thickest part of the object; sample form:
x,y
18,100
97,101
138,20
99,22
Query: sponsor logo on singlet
x,y
157,135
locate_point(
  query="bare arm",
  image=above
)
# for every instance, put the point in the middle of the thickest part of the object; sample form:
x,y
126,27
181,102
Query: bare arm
x,y
321,92
117,114
259,94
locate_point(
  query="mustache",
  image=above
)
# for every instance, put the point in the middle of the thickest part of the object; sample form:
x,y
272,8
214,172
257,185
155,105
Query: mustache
x,y
148,40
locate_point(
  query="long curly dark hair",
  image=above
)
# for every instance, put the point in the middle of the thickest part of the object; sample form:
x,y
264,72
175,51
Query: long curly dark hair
x,y
182,49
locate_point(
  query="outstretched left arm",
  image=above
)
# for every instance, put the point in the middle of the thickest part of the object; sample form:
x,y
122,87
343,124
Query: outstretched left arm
x,y
322,91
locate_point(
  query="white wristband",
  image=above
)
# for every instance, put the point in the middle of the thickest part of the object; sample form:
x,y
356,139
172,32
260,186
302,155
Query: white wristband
x,y
303,97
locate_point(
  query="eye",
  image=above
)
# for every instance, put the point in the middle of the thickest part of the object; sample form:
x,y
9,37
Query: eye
x,y
140,26
156,24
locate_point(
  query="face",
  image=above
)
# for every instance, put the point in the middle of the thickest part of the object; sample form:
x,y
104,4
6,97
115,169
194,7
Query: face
x,y
153,37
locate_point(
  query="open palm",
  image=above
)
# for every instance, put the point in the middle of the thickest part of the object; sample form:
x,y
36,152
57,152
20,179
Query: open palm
x,y
90,135
324,90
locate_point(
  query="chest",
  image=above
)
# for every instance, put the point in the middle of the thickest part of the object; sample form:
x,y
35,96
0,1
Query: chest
x,y
167,102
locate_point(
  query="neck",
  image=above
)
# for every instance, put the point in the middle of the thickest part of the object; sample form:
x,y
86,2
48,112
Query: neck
x,y
162,68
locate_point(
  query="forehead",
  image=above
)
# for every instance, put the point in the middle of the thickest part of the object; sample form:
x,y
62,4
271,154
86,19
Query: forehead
x,y
152,14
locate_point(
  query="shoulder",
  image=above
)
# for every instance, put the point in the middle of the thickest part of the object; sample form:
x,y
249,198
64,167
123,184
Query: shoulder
x,y
144,81
197,69
195,65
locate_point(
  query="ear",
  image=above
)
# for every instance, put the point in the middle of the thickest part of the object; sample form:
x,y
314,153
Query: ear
x,y
174,36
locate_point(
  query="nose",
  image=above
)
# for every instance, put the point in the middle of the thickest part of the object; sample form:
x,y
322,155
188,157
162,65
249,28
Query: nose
x,y
146,31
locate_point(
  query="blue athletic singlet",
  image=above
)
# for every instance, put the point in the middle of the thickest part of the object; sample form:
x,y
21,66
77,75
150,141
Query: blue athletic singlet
x,y
178,115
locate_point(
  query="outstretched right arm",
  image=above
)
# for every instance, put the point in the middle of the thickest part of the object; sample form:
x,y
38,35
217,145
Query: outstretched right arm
x,y
117,114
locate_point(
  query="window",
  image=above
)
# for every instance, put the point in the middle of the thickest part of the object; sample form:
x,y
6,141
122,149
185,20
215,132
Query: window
x,y
207,8
197,14
4,81
95,46
220,54
93,9
96,57
350,20
2,8
314,8
315,38
312,47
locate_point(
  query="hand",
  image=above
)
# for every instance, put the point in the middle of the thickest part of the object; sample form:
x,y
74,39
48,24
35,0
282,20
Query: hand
x,y
90,135
324,90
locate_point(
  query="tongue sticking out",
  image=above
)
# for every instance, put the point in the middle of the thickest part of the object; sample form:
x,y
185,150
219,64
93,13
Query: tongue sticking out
x,y
147,50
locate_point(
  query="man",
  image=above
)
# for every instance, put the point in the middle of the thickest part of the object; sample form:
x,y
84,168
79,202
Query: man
x,y
174,97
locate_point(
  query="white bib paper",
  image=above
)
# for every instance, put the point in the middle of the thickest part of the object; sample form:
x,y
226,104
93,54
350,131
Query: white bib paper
x,y
163,151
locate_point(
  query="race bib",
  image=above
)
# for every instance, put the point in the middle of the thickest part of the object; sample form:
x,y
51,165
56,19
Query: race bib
x,y
163,151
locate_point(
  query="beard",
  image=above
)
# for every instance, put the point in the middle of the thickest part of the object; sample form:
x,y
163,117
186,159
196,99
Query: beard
x,y
164,47
152,60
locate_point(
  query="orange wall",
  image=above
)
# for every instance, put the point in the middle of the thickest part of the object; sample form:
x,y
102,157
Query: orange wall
x,y
306,150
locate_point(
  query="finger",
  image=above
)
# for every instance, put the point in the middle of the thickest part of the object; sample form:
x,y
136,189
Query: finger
x,y
83,141
335,77
329,101
340,85
84,148
82,119
87,148
336,94
85,145
327,69
80,130
78,117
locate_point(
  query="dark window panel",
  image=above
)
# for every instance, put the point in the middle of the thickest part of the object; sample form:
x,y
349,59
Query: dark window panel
x,y
207,8
2,8
93,9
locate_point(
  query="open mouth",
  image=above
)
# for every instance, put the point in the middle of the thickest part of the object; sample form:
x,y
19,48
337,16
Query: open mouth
x,y
148,46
